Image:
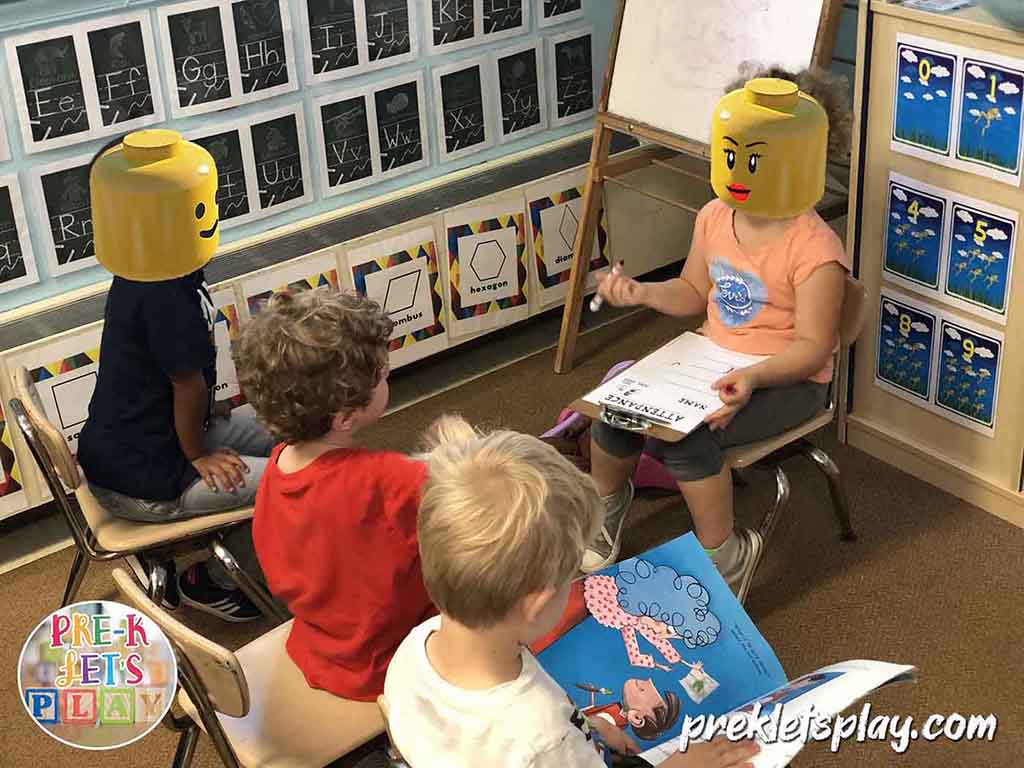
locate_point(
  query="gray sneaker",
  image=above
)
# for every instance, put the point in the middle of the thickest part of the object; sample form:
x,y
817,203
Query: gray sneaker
x,y
742,573
604,550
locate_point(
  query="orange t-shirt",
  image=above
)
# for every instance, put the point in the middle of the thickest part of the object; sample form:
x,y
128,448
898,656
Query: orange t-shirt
x,y
752,303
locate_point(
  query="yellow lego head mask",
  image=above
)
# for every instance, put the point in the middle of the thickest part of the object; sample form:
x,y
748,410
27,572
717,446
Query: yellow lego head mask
x,y
768,149
154,208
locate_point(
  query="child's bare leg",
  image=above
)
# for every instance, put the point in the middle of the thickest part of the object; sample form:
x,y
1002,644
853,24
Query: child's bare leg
x,y
613,457
610,472
710,504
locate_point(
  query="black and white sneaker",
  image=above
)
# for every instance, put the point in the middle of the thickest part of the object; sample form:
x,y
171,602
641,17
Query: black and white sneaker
x,y
197,590
140,567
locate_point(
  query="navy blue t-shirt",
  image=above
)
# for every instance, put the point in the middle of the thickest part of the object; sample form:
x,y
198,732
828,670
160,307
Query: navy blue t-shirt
x,y
150,331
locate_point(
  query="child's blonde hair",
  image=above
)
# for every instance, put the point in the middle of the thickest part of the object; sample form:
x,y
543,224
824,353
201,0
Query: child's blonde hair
x,y
503,515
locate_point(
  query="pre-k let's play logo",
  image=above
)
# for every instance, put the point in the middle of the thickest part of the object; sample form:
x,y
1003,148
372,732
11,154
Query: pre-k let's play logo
x,y
97,675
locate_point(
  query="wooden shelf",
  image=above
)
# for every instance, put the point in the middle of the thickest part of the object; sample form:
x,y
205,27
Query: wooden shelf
x,y
973,21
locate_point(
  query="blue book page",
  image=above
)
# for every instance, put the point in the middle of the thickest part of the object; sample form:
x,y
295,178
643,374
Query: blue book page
x,y
659,637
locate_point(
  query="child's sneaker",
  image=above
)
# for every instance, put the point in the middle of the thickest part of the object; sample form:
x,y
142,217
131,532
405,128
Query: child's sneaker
x,y
199,591
140,568
604,550
741,573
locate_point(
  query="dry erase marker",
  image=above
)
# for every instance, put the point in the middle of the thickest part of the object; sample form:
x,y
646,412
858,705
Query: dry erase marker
x,y
598,300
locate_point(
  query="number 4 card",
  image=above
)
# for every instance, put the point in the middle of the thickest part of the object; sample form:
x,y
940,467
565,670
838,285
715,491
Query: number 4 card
x,y
915,228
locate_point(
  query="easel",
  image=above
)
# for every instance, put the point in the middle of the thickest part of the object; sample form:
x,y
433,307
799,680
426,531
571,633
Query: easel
x,y
665,146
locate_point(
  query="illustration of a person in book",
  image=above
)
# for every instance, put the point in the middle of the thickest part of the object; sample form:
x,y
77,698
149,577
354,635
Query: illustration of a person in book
x,y
648,711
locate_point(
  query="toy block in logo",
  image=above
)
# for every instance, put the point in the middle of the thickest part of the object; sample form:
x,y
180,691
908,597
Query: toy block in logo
x,y
149,704
78,706
43,704
117,706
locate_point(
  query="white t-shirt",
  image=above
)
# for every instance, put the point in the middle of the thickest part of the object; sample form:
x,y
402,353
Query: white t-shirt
x,y
528,722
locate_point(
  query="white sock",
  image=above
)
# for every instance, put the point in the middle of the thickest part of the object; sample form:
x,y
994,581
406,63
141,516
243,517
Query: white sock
x,y
727,555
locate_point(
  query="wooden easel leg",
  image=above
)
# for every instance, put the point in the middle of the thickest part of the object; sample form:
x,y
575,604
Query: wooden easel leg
x,y
593,199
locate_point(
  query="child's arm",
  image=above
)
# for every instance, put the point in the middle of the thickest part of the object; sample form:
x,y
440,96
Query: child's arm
x,y
221,469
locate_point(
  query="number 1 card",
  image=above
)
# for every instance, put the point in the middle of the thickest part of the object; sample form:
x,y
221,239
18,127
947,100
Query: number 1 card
x,y
990,114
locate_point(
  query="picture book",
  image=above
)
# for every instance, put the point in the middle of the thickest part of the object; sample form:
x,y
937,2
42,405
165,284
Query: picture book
x,y
654,642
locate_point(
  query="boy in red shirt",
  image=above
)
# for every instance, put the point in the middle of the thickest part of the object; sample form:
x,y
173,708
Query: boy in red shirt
x,y
335,524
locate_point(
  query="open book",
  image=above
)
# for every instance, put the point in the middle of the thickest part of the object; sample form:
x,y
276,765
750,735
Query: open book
x,y
660,638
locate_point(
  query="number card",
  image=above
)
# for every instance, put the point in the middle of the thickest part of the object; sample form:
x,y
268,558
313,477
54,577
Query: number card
x,y
17,264
989,140
12,493
571,77
347,145
317,271
62,192
85,81
64,372
401,126
555,207
231,148
464,115
281,159
558,11
402,274
487,266
504,18
454,24
915,233
521,95
979,263
923,98
906,346
968,377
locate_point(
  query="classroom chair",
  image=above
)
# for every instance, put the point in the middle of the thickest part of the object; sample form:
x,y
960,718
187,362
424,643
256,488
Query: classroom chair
x,y
769,454
254,704
98,535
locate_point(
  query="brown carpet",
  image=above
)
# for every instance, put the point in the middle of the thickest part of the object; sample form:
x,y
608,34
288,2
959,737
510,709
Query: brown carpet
x,y
931,581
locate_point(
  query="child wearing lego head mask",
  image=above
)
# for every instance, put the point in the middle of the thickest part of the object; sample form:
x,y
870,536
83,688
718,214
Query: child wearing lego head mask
x,y
156,447
769,274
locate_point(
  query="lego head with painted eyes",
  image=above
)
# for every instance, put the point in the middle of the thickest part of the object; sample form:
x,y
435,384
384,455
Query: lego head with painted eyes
x,y
154,208
768,149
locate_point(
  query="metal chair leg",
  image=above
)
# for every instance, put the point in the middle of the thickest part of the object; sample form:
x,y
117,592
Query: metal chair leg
x,y
835,487
188,678
186,748
157,582
75,577
253,590
781,500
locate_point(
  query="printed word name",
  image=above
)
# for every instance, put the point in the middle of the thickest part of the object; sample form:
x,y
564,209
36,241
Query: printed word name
x,y
409,317
488,287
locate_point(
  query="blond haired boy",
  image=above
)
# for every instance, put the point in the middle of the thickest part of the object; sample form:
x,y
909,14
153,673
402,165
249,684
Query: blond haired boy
x,y
503,526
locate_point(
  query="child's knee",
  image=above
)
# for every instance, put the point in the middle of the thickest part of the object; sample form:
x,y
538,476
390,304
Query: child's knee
x,y
617,443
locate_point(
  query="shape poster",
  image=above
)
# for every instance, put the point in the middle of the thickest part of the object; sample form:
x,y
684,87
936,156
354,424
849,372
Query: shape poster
x,y
231,148
980,256
64,371
924,97
571,77
487,266
62,190
281,158
504,18
263,40
333,39
346,143
454,24
551,12
402,274
989,136
906,349
12,486
915,232
317,271
555,208
522,100
968,375
464,119
17,263
400,123
226,332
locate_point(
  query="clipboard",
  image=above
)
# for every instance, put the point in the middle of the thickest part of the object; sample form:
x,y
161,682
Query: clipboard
x,y
631,422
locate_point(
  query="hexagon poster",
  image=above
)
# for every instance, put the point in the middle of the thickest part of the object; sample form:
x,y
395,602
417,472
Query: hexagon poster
x,y
487,269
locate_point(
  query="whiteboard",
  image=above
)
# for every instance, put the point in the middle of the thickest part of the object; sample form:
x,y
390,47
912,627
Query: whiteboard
x,y
675,57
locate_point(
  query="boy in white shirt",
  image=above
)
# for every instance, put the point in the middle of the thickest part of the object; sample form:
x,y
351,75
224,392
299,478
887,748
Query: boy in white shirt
x,y
503,524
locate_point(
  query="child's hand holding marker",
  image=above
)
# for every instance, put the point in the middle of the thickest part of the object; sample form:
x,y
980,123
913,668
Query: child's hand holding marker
x,y
618,290
734,389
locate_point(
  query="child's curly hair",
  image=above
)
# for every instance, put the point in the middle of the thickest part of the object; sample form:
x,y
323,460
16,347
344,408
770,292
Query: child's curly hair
x,y
830,90
309,356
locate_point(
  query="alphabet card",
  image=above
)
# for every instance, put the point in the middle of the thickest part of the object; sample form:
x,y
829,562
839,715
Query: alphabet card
x,y
487,266
281,157
12,487
226,331
462,106
454,24
402,274
906,347
504,18
553,12
317,271
923,97
400,122
230,145
968,375
915,233
84,81
555,207
979,262
346,144
989,141
64,370
571,77
65,210
17,263
222,53
390,32
518,73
